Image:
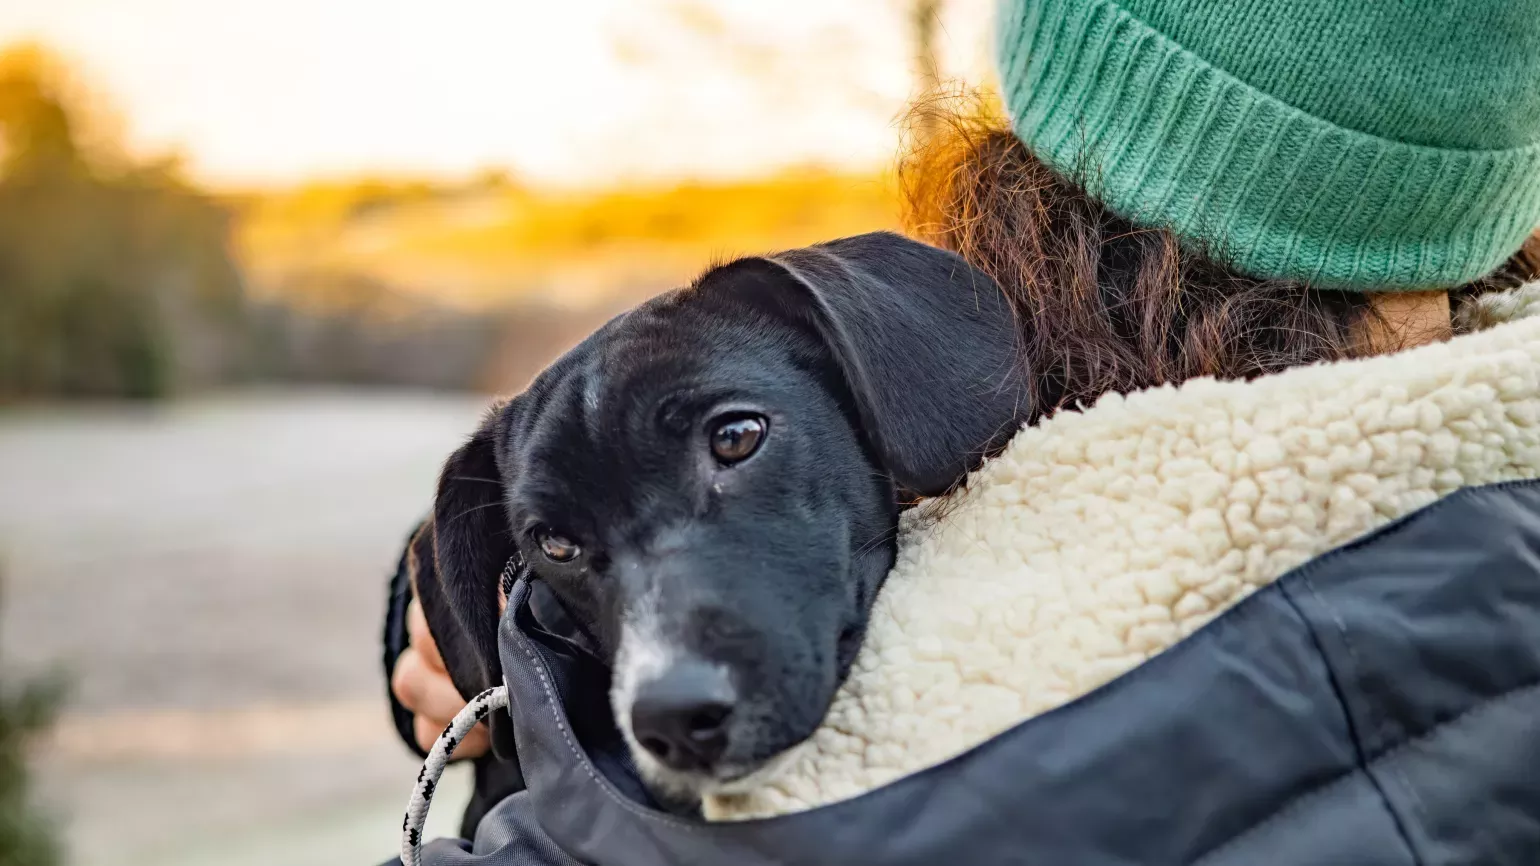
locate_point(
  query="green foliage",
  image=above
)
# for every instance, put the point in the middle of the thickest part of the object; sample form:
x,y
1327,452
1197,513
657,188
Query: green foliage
x,y
27,838
115,280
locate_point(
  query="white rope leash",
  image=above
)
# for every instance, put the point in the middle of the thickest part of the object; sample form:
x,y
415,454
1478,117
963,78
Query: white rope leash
x,y
477,710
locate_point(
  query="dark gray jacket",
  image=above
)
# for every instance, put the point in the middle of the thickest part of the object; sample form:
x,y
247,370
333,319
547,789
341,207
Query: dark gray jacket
x,y
1379,705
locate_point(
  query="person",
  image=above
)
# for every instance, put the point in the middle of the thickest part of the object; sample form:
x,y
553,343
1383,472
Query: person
x,y
1175,191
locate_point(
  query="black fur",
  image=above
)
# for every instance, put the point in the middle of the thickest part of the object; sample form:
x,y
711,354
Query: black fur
x,y
882,365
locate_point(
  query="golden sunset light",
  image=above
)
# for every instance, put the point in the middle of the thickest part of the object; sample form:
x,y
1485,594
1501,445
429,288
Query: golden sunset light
x,y
563,93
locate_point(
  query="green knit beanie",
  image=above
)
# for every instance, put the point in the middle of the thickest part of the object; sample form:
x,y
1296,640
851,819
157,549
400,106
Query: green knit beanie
x,y
1357,144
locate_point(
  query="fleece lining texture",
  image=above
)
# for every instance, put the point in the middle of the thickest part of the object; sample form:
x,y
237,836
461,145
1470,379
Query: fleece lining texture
x,y
1101,537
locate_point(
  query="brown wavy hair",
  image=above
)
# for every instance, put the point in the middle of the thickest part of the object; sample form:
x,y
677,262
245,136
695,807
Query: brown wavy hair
x,y
1104,304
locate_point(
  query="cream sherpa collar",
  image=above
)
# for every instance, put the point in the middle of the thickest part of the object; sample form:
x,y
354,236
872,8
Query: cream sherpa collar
x,y
1101,537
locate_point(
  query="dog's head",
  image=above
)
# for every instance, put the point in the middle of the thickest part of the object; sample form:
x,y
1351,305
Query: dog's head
x,y
710,484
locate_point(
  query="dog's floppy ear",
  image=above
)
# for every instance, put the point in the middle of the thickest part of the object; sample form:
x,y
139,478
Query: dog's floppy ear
x,y
928,344
471,543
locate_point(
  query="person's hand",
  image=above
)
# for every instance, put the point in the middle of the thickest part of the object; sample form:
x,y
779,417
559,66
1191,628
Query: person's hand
x,y
422,685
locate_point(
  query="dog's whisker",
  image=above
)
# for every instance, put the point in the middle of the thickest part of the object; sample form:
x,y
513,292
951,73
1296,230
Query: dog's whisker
x,y
469,511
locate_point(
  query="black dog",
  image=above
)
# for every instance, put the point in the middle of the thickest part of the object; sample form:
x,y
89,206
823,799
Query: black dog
x,y
711,485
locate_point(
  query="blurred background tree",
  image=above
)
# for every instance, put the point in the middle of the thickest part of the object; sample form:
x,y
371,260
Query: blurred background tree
x,y
924,22
117,279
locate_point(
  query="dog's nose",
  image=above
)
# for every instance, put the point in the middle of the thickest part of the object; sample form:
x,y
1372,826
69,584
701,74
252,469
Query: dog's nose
x,y
682,716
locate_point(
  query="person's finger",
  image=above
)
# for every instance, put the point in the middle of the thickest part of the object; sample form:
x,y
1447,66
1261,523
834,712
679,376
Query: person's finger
x,y
406,679
423,690
473,746
420,638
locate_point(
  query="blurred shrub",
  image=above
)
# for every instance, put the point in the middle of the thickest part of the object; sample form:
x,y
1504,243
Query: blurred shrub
x,y
27,838
342,327
345,327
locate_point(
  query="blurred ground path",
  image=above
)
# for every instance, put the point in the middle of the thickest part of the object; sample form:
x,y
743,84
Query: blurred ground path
x,y
211,575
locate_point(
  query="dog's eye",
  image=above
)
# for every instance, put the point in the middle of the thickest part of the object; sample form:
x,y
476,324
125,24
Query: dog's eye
x,y
557,548
736,439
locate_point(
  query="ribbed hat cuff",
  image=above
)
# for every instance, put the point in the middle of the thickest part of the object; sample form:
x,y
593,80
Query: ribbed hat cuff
x,y
1167,139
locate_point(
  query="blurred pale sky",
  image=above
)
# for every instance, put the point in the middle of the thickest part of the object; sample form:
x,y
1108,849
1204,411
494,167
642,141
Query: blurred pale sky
x,y
576,92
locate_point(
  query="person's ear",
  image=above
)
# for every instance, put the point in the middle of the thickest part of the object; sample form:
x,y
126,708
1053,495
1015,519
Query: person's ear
x,y
927,343
471,542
